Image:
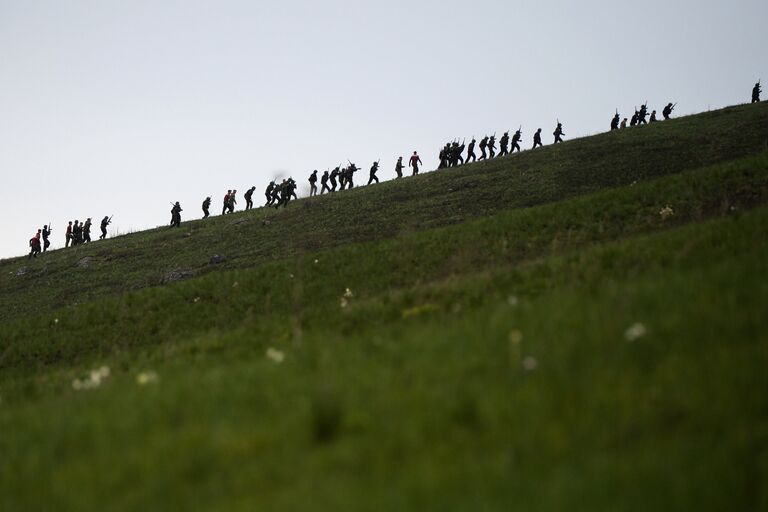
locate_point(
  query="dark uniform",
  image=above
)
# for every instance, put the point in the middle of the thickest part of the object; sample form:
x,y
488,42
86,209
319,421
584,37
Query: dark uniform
x,y
503,143
372,176
642,115
77,233
399,167
248,198
471,151
176,215
558,133
483,145
268,193
206,205
324,183
334,174
635,116
46,233
492,146
313,183
106,221
756,90
537,139
87,231
667,111
516,140
615,122
653,117
350,177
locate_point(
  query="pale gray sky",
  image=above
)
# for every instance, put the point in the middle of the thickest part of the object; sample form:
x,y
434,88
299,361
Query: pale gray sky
x,y
119,107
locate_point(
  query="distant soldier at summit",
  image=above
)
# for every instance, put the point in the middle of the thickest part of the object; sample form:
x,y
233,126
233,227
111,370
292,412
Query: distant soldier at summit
x,y
268,192
351,170
176,215
399,167
483,145
232,201
653,117
226,202
77,233
372,176
324,183
68,235
492,146
249,198
615,121
313,183
334,175
667,111
756,90
276,194
206,206
414,162
46,233
635,116
471,151
503,144
87,231
106,221
516,140
558,133
642,114
537,139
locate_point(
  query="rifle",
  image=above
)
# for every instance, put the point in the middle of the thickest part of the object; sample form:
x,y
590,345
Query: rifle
x,y
110,219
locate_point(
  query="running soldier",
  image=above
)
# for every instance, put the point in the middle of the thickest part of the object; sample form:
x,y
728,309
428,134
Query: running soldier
x,y
558,133
537,139
503,143
248,198
313,183
471,151
324,182
667,111
106,221
492,146
372,176
516,140
46,234
483,145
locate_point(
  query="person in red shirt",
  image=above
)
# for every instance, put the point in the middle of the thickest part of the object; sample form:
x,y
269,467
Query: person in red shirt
x,y
34,244
68,234
226,202
414,162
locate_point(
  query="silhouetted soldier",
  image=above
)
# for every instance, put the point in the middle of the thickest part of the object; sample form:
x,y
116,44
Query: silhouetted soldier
x,y
232,202
69,237
615,121
756,90
457,151
226,202
372,176
334,175
34,244
248,198
206,205
268,193
492,146
667,111
77,233
483,145
653,117
399,167
558,133
414,162
471,151
313,183
537,139
642,114
106,221
277,194
176,215
635,116
443,156
324,182
351,170
516,140
87,231
503,143
46,234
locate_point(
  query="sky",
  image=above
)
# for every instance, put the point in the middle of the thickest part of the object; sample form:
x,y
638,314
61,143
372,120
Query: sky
x,y
114,107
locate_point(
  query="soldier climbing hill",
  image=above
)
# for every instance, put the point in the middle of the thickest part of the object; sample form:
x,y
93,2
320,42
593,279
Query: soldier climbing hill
x,y
206,206
667,111
516,140
414,162
756,90
176,215
313,183
106,221
248,198
503,144
399,167
324,182
558,133
372,176
537,139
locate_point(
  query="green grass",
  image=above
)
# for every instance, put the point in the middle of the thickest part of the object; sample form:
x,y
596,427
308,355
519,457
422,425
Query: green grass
x,y
415,393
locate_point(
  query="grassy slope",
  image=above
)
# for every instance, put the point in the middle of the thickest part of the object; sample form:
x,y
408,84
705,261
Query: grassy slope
x,y
415,395
387,210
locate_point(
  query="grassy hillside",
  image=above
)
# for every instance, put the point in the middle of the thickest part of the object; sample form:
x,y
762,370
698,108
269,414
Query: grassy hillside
x,y
580,327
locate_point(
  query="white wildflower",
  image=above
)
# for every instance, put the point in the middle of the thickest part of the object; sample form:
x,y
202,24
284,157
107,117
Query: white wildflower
x,y
344,303
290,275
666,212
317,261
512,300
94,379
55,320
530,363
635,331
144,378
275,355
235,284
348,293
196,299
